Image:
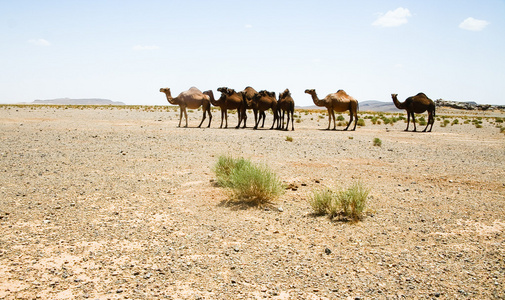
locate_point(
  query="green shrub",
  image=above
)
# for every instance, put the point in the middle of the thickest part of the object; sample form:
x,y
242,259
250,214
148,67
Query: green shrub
x,y
340,118
377,142
289,139
225,166
248,182
454,122
361,122
321,201
350,203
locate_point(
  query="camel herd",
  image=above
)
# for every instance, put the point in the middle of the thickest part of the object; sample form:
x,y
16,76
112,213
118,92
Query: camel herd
x,y
264,100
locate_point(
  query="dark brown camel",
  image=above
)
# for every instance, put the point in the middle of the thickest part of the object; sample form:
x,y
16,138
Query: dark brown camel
x,y
192,99
262,102
286,104
248,93
416,105
229,100
337,102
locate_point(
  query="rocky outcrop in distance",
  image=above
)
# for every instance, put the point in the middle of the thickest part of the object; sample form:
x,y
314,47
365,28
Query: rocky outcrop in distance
x,y
467,105
68,101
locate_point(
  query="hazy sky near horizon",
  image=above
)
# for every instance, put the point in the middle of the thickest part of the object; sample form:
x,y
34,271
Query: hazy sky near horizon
x,y
127,50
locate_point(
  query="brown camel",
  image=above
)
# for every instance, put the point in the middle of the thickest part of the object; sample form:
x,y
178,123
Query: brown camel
x,y
248,93
286,104
230,99
262,102
192,99
337,102
416,105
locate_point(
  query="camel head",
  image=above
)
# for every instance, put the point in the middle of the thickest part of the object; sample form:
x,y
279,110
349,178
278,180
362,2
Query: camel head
x,y
165,90
394,96
209,93
284,94
310,91
225,90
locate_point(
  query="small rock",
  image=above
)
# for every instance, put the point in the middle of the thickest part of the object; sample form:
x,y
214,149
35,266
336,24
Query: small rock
x,y
280,209
327,251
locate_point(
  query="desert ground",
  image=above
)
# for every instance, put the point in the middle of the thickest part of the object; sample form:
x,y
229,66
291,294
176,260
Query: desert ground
x,y
118,202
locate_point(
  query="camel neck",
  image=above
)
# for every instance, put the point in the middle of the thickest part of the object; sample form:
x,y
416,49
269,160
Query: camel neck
x,y
397,103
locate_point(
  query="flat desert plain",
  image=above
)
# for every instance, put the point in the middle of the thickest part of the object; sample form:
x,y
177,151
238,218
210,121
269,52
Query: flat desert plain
x,y
118,202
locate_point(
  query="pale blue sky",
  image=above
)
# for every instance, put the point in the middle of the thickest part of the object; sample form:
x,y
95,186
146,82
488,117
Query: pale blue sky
x,y
126,50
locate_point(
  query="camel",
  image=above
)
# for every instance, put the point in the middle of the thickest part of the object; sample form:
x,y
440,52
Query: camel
x,y
286,104
229,100
249,93
192,99
416,105
262,102
337,102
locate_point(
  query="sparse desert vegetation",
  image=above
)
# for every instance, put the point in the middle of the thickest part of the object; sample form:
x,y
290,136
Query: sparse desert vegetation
x,y
106,202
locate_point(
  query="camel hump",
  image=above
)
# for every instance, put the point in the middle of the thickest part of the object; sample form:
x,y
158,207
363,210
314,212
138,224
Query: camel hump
x,y
422,95
341,92
194,90
284,94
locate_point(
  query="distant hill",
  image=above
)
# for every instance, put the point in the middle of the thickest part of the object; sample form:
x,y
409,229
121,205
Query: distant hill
x,y
68,101
369,105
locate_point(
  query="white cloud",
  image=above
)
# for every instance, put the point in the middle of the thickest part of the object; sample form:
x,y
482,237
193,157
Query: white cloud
x,y
39,42
393,18
473,24
142,48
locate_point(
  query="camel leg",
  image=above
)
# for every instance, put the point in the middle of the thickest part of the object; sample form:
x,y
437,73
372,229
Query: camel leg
x,y
287,124
432,115
186,116
334,120
222,118
414,121
244,116
180,117
210,116
226,118
329,119
355,121
281,121
203,118
255,111
275,119
350,121
408,121
430,122
239,115
292,121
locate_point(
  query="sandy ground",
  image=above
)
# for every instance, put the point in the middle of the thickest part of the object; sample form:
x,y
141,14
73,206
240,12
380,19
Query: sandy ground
x,y
114,203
